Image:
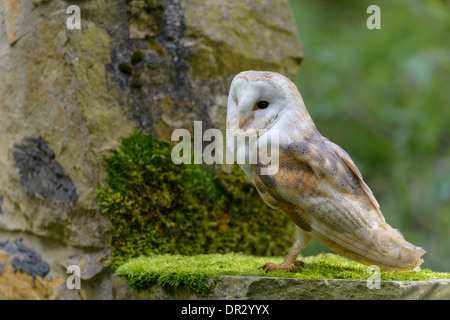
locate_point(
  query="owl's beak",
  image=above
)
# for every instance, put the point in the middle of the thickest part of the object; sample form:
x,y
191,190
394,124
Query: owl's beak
x,y
245,119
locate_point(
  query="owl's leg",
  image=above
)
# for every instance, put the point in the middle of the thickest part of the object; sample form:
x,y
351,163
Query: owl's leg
x,y
290,262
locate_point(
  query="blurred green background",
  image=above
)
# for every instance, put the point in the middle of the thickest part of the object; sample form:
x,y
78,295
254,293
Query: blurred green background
x,y
384,96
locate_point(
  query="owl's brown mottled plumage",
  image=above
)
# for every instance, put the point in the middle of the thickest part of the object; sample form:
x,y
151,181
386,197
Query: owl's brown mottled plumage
x,y
317,185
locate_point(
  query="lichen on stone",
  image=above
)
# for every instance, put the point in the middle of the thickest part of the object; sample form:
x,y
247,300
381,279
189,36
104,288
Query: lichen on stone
x,y
234,36
16,284
97,95
41,174
25,259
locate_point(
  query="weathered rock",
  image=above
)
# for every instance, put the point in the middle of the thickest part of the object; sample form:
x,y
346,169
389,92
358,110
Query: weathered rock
x,y
12,14
20,286
2,265
41,174
25,259
232,36
268,288
91,263
65,103
53,257
22,273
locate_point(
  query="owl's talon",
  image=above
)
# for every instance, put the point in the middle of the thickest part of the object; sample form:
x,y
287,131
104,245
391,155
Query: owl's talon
x,y
266,267
287,266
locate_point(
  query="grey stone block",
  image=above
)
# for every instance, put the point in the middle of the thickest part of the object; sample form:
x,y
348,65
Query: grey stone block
x,y
269,288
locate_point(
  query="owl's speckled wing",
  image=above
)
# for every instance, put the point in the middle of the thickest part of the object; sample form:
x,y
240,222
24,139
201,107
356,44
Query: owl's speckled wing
x,y
320,189
319,178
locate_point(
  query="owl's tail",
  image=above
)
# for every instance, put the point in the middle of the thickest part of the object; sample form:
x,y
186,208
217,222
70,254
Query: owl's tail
x,y
383,246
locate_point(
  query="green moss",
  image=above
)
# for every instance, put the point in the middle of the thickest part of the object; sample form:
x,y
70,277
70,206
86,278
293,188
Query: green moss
x,y
145,18
194,272
154,45
125,68
136,57
153,6
157,207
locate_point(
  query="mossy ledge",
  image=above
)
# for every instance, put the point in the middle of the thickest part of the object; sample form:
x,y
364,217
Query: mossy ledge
x,y
200,274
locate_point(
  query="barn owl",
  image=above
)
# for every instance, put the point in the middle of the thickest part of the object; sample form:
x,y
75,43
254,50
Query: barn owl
x,y
317,185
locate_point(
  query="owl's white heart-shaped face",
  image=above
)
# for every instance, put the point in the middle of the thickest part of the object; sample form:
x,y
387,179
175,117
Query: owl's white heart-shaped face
x,y
268,107
259,99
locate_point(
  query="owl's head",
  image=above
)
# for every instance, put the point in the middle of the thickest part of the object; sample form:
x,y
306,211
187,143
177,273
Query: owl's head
x,y
259,99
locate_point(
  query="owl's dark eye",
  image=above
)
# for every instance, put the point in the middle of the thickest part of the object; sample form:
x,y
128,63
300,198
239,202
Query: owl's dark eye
x,y
262,104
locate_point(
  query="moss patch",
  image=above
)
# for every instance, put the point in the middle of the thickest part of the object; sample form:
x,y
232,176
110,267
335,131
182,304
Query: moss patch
x,y
125,68
145,18
157,207
196,271
136,57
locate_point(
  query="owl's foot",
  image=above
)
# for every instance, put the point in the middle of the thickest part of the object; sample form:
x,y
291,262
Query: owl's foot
x,y
290,265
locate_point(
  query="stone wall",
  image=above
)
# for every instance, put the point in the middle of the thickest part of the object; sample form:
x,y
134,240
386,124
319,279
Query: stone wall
x,y
68,96
271,288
